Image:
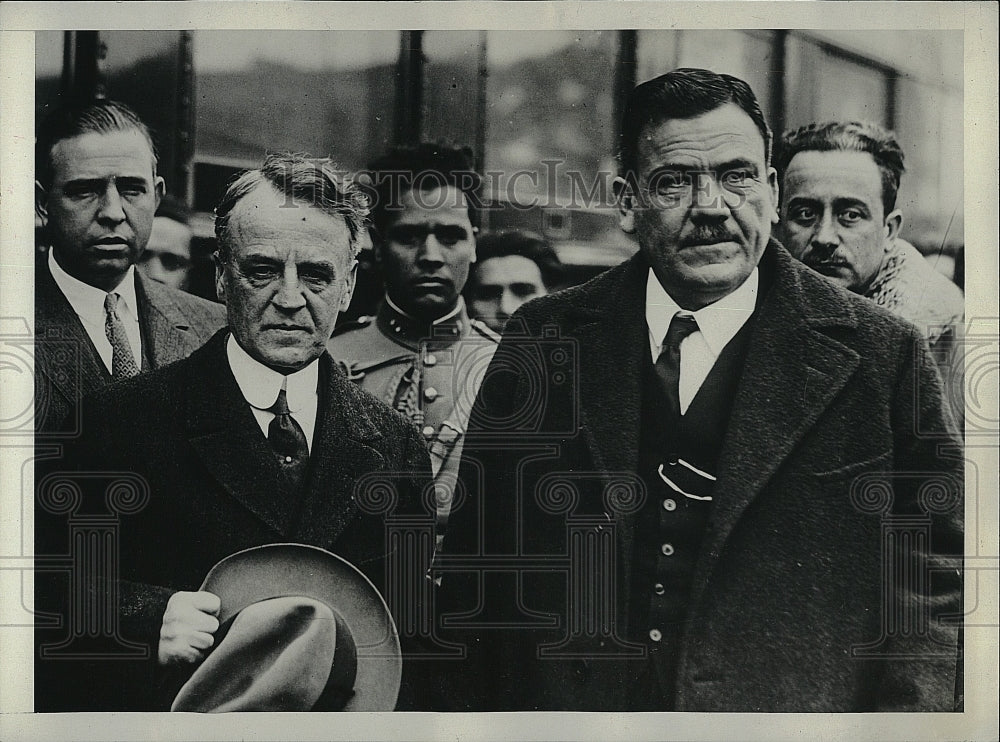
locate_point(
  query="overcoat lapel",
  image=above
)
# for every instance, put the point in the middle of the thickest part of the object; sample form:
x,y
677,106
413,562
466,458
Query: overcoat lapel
x,y
792,372
339,458
612,337
57,327
225,435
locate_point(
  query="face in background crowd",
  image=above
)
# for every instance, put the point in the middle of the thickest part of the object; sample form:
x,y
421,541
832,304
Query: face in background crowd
x,y
97,212
705,203
833,218
167,257
426,251
499,286
288,273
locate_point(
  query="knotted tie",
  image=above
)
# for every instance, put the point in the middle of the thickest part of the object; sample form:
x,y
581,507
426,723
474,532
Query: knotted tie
x,y
123,363
288,440
668,365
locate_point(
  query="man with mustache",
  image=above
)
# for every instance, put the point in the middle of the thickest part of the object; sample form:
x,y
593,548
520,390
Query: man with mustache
x,y
421,353
685,482
96,319
838,216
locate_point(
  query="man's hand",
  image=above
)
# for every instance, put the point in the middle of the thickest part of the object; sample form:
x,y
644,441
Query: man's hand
x,y
188,627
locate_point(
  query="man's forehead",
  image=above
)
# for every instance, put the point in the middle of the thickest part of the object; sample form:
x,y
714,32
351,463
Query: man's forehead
x,y
440,204
724,133
268,222
103,155
835,172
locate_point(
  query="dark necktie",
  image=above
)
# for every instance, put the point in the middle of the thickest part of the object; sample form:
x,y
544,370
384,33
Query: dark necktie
x,y
288,441
123,363
668,365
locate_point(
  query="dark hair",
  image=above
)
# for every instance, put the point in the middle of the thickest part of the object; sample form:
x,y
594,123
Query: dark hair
x,y
312,182
528,245
173,208
73,120
851,136
682,94
424,167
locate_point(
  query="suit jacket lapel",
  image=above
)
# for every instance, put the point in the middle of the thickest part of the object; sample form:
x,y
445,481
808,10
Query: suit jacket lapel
x,y
225,435
167,334
58,329
341,455
792,371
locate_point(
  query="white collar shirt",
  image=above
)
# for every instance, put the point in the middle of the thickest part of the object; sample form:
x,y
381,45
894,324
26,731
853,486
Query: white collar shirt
x,y
88,303
718,323
260,386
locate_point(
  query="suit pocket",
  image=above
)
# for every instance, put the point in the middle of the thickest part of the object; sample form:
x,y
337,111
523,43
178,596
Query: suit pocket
x,y
882,462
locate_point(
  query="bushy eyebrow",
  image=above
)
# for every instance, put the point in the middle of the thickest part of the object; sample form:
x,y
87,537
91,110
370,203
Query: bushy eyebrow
x,y
838,203
95,183
735,164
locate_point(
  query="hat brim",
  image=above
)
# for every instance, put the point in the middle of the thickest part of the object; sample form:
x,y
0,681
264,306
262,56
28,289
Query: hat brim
x,y
280,570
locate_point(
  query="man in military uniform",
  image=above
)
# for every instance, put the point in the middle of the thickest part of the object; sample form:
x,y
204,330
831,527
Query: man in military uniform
x,y
421,353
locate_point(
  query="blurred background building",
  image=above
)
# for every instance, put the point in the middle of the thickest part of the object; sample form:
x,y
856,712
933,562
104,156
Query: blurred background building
x,y
540,109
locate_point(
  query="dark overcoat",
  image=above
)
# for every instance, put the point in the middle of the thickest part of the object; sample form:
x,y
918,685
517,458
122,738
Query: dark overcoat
x,y
172,323
198,482
829,574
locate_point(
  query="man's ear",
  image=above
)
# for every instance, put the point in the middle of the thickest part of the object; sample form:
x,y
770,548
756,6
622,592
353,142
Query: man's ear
x,y
772,182
625,196
159,190
42,203
349,284
893,225
220,285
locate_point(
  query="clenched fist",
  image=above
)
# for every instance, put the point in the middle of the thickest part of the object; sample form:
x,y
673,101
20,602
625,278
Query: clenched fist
x,y
188,627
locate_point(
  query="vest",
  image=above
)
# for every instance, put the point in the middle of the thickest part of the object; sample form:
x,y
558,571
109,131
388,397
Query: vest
x,y
678,460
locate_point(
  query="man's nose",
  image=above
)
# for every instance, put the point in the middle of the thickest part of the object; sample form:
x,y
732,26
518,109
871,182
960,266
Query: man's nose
x,y
825,236
709,199
289,295
430,251
508,303
111,208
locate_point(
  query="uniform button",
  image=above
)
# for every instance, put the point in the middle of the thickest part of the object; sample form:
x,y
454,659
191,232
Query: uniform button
x,y
428,431
430,360
659,589
667,549
655,635
669,504
430,394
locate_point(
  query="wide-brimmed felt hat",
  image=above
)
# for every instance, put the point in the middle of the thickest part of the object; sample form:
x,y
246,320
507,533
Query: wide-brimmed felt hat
x,y
300,629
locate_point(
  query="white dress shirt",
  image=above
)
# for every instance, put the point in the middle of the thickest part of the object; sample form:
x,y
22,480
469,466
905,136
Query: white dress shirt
x,y
718,323
260,386
88,303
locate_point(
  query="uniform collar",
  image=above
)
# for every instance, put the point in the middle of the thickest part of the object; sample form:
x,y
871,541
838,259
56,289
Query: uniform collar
x,y
410,331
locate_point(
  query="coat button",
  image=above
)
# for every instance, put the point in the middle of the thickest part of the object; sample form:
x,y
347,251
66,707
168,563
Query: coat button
x,y
428,431
659,589
655,635
288,459
669,504
430,394
672,458
667,549
430,360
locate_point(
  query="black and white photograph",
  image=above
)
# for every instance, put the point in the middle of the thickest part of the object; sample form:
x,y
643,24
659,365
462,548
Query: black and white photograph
x,y
598,370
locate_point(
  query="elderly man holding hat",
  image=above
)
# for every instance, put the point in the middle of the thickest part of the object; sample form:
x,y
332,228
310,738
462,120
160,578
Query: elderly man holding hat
x,y
252,561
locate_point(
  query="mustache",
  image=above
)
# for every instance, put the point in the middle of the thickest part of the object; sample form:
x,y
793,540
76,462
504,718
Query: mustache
x,y
708,234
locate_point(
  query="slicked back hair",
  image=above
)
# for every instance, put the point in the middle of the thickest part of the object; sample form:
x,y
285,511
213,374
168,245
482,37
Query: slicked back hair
x,y
683,93
849,136
307,182
77,119
424,167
